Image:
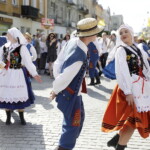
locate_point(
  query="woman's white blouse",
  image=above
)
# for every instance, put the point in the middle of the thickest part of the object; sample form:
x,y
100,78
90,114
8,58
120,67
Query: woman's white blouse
x,y
122,71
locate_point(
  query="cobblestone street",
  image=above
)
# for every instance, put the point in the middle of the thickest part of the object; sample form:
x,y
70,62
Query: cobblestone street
x,y
44,120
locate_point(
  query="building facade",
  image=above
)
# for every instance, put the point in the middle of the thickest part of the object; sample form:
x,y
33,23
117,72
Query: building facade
x,y
116,22
24,14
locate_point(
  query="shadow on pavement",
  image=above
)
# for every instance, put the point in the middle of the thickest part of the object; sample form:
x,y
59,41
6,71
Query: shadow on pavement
x,y
96,95
46,83
105,78
103,88
21,137
44,101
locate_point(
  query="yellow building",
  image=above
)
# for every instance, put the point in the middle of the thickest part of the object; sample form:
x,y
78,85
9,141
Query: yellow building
x,y
24,14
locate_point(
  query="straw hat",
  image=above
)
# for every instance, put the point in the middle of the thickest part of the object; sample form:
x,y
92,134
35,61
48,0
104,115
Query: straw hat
x,y
88,27
28,35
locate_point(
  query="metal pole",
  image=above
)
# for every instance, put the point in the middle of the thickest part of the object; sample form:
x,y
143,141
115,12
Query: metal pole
x,y
46,14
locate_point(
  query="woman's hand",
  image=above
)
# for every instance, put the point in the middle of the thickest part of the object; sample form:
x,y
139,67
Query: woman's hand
x,y
38,78
52,41
130,100
52,95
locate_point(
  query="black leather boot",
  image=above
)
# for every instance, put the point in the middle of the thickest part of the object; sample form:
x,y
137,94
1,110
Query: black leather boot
x,y
114,141
92,82
98,80
21,114
8,120
121,147
61,148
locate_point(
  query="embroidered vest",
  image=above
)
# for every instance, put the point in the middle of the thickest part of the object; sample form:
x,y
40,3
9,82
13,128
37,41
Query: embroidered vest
x,y
133,61
15,58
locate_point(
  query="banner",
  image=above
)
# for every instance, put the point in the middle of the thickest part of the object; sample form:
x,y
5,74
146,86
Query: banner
x,y
47,23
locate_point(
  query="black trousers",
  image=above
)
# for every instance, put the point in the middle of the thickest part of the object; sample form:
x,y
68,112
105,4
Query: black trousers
x,y
103,59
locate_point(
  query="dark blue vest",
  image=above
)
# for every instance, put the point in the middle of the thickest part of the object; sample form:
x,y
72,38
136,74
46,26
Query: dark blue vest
x,y
93,52
66,98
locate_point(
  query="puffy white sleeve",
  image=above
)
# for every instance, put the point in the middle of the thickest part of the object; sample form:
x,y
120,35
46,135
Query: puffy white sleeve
x,y
122,71
27,61
65,78
111,55
58,63
146,67
98,46
1,53
33,52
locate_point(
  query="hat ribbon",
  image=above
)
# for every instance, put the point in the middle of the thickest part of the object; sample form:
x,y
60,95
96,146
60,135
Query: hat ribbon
x,y
79,30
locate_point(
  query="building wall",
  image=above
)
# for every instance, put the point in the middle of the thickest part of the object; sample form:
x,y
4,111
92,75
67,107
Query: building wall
x,y
116,21
10,16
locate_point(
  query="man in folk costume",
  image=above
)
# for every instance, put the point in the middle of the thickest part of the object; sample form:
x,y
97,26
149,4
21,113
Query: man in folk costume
x,y
69,70
94,51
129,105
15,87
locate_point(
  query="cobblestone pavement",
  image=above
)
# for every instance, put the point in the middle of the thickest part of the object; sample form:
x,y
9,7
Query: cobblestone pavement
x,y
44,120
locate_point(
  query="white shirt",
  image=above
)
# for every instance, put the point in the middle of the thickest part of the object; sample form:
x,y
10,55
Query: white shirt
x,y
62,80
122,71
33,52
104,44
98,46
43,47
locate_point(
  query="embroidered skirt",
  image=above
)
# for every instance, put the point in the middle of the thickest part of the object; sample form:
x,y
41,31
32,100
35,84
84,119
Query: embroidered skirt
x,y
21,105
119,115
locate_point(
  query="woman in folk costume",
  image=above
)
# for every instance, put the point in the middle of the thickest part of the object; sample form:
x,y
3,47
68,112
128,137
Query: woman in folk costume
x,y
129,105
15,87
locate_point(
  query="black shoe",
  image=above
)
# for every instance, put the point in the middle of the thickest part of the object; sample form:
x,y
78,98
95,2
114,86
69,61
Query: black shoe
x,y
61,148
92,82
98,80
121,147
21,114
8,120
100,73
114,141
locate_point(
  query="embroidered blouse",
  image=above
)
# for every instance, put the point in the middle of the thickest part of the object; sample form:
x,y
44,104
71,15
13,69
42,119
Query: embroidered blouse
x,y
122,70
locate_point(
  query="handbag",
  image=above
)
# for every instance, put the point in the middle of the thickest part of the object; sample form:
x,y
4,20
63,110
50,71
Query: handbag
x,y
109,70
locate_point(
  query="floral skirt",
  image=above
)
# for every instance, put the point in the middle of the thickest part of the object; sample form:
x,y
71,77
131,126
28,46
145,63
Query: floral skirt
x,y
119,114
21,105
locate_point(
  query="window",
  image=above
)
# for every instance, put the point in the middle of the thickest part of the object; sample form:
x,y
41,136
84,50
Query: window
x,y
22,29
2,0
15,2
25,2
28,30
41,7
33,3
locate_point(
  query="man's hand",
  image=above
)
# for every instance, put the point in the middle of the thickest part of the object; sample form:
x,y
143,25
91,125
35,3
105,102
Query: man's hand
x,y
38,78
52,95
130,100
